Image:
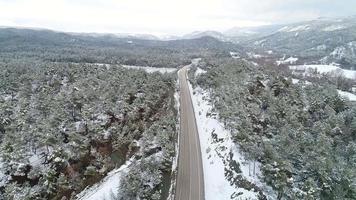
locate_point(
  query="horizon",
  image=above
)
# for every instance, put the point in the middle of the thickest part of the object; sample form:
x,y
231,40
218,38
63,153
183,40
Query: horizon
x,y
163,35
162,18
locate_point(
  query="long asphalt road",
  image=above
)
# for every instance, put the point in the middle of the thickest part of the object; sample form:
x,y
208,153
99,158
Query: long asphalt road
x,y
190,179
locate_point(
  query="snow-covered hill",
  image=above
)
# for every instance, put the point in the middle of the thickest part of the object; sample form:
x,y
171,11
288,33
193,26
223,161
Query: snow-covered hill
x,y
321,41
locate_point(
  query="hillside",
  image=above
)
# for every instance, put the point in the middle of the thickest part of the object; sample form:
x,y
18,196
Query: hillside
x,y
65,126
300,134
320,41
46,45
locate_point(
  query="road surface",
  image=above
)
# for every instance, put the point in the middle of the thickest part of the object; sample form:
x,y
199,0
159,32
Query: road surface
x,y
190,179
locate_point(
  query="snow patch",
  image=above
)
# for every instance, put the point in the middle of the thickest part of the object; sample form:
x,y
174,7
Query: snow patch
x,y
195,61
2,175
334,28
253,55
339,52
199,71
295,29
107,188
290,60
283,29
175,159
234,54
324,69
321,47
35,160
214,153
260,42
348,95
151,69
296,81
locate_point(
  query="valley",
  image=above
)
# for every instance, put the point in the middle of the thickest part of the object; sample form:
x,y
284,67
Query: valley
x,y
265,112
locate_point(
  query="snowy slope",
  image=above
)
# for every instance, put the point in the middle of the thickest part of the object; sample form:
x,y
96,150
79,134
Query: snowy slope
x,y
325,69
348,95
107,188
215,154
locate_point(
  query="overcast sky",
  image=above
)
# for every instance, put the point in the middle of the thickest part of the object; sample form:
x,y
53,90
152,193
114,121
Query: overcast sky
x,y
164,16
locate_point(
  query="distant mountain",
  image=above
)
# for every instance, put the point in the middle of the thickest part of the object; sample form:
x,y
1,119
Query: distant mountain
x,y
199,34
119,35
323,41
238,34
139,36
55,46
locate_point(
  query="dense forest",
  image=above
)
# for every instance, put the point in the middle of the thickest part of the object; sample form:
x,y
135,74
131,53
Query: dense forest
x,y
64,126
45,45
67,120
304,134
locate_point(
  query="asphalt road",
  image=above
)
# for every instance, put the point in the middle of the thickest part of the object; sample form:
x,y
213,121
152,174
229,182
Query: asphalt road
x,y
190,179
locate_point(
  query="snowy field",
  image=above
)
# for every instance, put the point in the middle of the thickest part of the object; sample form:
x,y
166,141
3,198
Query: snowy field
x,y
151,69
351,74
107,188
214,154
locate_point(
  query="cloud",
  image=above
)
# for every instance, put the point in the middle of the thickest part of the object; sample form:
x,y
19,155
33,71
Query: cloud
x,y
163,16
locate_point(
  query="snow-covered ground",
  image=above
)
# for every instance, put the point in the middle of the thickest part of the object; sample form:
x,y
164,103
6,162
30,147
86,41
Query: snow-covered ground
x,y
325,69
107,188
199,71
290,60
195,61
334,28
254,55
151,69
339,52
2,176
214,154
234,54
294,29
348,95
295,81
175,159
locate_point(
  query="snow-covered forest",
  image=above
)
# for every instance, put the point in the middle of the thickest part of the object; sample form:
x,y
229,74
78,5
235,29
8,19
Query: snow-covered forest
x,y
97,117
65,126
51,46
79,113
303,134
